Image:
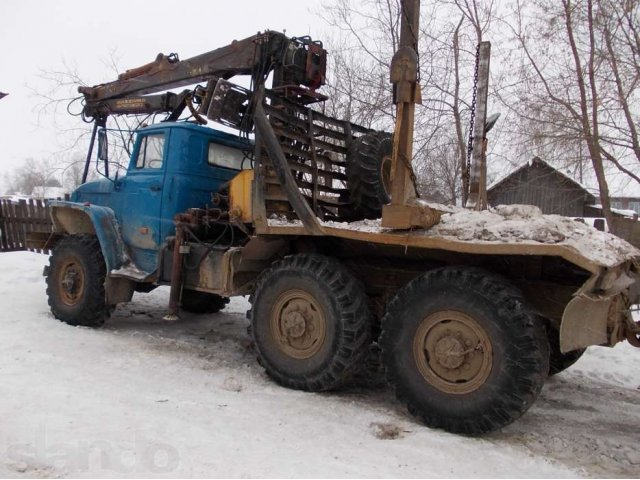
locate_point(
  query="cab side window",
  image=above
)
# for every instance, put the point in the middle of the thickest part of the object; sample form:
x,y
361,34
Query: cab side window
x,y
223,156
151,151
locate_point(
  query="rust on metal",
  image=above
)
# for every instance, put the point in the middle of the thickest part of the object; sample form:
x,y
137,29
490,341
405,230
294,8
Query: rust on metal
x,y
71,280
285,178
403,212
176,267
298,66
314,148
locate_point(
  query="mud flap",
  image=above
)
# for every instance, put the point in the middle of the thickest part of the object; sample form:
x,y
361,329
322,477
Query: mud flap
x,y
584,323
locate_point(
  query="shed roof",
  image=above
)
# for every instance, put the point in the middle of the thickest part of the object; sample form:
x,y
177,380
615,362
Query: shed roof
x,y
538,162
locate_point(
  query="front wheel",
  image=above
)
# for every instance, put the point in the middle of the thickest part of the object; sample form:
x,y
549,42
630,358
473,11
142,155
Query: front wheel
x,y
75,281
463,350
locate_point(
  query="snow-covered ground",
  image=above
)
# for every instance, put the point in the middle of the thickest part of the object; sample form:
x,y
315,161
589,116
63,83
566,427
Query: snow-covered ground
x,y
143,397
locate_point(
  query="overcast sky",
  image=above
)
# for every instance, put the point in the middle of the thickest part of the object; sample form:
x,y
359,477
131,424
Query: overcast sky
x,y
63,35
47,35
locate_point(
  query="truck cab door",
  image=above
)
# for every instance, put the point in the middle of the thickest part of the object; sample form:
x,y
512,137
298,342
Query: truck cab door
x,y
141,194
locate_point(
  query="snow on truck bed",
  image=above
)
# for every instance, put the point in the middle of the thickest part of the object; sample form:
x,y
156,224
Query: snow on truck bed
x,y
521,224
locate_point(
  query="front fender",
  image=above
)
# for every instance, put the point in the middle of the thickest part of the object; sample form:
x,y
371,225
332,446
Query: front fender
x,y
78,218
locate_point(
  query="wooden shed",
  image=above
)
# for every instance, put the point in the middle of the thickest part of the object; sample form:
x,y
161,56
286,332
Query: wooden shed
x,y
538,183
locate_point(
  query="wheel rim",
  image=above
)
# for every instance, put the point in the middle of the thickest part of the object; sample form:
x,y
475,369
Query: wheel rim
x,y
71,281
453,352
385,173
298,324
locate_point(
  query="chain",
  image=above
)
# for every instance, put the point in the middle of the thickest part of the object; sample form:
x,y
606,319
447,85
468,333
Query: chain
x,y
472,120
412,174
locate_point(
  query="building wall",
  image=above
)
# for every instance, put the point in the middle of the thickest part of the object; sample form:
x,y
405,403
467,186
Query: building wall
x,y
626,203
542,186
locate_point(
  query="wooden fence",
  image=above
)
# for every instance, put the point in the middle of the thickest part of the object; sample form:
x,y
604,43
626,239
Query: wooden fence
x,y
20,218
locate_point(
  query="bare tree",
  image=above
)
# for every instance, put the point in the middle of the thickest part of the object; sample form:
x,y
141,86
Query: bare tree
x,y
33,174
59,102
359,78
576,90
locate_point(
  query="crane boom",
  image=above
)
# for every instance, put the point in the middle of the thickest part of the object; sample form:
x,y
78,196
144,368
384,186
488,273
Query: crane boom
x,y
298,66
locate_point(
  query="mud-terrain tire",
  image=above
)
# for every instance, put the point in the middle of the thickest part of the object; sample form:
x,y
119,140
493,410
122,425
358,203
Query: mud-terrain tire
x,y
558,361
75,281
463,350
369,174
310,323
201,302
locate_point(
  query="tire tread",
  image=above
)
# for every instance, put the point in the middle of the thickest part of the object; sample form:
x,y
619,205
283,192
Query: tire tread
x,y
528,371
355,320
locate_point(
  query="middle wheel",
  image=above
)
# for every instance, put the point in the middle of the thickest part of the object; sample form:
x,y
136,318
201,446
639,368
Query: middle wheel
x,y
310,323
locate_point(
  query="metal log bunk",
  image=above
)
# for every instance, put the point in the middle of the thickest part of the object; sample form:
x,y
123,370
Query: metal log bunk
x,y
315,148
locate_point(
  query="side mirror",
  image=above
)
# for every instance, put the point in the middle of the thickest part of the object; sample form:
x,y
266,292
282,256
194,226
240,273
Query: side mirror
x,y
103,145
116,183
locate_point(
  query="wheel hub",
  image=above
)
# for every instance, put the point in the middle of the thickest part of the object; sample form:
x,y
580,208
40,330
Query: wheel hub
x,y
298,324
450,352
71,281
294,323
453,352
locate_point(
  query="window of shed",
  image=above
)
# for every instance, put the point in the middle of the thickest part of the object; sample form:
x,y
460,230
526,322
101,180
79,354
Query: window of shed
x,y
229,157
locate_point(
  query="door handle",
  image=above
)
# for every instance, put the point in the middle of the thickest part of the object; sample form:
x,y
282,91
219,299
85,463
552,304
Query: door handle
x,y
171,188
155,188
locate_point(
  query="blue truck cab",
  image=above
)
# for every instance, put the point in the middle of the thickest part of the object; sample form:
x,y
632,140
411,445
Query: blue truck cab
x,y
174,166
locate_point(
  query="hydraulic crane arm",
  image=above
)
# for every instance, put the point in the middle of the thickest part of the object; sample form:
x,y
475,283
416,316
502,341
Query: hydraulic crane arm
x,y
295,62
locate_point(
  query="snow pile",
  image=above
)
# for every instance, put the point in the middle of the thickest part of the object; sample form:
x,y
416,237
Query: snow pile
x,y
275,220
521,224
526,224
369,226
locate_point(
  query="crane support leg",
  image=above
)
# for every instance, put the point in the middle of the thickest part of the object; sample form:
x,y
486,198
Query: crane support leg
x,y
404,210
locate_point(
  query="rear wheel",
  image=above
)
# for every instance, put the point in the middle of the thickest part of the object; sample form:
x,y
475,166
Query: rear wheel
x,y
463,350
75,281
201,302
558,361
369,174
310,323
